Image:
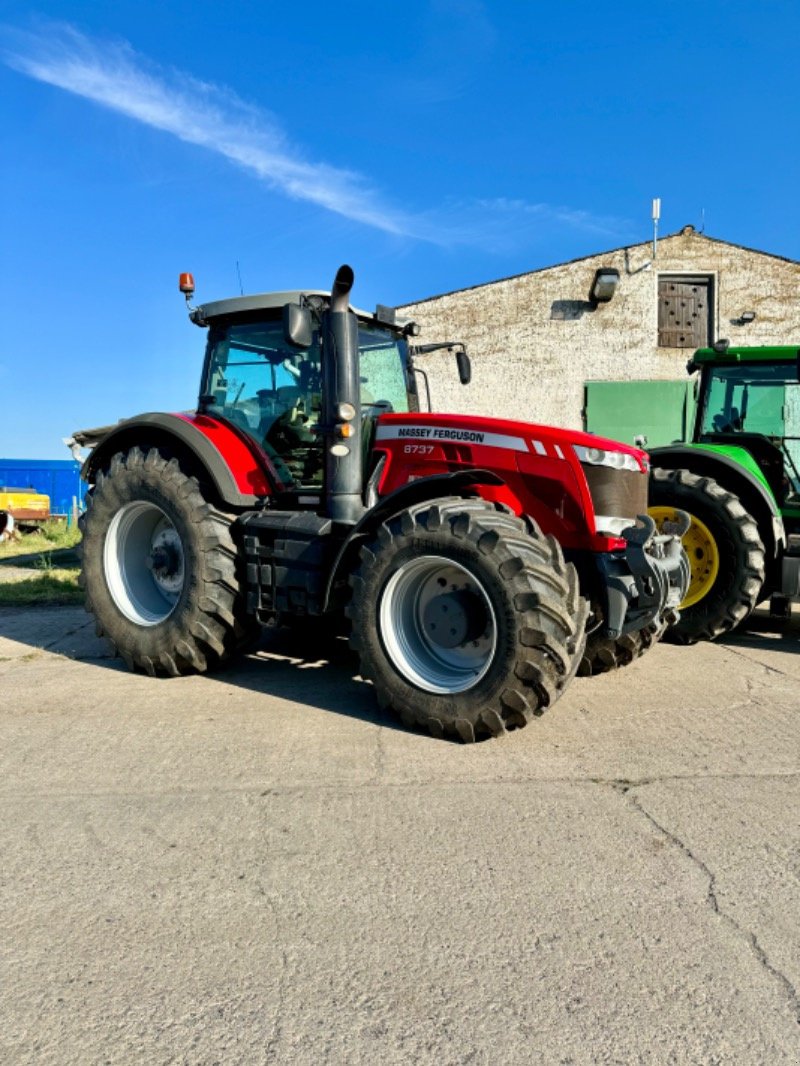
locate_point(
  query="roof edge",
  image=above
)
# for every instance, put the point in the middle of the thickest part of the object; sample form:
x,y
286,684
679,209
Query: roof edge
x,y
682,232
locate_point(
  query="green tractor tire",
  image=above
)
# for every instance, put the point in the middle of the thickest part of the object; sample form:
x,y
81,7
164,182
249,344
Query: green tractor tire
x,y
726,554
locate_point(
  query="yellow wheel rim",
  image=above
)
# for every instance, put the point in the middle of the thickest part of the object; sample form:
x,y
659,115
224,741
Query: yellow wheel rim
x,y
702,552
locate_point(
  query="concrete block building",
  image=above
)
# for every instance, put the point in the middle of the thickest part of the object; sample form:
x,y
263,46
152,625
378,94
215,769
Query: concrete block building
x,y
535,338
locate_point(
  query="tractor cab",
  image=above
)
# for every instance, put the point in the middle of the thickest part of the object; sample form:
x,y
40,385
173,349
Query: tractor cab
x,y
750,401
258,378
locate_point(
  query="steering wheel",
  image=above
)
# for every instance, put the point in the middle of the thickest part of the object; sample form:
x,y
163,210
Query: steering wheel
x,y
289,431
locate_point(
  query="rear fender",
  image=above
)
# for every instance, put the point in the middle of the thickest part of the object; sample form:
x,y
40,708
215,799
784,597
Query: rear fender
x,y
732,476
211,448
463,483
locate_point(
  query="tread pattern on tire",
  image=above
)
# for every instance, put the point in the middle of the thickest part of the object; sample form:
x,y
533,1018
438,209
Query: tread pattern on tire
x,y
546,610
603,654
209,625
737,589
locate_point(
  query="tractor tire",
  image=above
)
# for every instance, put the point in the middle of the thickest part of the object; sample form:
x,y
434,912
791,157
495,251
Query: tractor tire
x,y
604,654
160,568
511,620
726,554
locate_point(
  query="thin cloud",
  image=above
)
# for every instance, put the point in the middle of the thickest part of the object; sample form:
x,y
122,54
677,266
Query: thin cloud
x,y
198,113
502,225
113,75
511,209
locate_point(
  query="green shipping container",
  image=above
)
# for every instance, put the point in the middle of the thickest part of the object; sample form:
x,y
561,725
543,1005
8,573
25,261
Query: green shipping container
x,y
660,411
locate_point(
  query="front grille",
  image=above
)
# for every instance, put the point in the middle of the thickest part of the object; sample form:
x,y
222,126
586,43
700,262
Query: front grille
x,y
617,493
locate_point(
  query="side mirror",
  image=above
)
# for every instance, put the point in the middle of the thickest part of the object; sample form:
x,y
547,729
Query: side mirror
x,y
464,367
298,329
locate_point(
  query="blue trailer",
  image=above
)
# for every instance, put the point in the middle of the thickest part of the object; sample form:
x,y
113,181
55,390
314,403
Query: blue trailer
x,y
60,479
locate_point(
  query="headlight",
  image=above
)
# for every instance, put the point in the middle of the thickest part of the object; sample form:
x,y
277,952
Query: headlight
x,y
599,457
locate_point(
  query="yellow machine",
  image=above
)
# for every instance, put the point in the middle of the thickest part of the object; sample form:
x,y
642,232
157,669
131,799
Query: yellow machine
x,y
26,505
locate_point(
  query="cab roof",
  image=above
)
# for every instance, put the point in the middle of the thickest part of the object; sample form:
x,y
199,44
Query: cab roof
x,y
731,356
266,301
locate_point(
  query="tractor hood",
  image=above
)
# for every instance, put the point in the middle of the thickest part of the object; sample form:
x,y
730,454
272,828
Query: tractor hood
x,y
497,433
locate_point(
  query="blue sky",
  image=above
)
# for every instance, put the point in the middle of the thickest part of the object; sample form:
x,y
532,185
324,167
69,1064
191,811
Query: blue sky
x,y
432,145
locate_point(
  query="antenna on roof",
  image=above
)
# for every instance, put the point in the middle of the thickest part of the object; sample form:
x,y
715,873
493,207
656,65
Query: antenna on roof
x,y
702,220
239,275
656,217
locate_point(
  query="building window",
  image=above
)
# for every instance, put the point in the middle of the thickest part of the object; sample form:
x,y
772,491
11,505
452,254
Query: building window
x,y
684,312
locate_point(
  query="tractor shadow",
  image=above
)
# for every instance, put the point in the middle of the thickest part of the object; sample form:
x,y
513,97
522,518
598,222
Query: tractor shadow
x,y
60,558
304,665
316,671
764,632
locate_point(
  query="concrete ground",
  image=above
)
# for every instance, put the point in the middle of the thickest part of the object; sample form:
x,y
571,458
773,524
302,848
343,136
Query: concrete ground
x,y
260,867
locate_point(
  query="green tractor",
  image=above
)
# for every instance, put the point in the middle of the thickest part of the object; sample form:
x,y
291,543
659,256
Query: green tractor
x,y
739,480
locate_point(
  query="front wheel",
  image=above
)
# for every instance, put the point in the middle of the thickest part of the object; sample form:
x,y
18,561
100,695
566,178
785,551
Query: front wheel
x,y
160,568
466,619
604,654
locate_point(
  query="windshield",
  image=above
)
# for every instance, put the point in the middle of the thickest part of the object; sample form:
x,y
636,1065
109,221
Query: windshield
x,y
758,398
273,391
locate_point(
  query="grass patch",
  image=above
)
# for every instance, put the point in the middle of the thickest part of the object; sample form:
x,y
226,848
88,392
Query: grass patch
x,y
52,537
47,571
47,588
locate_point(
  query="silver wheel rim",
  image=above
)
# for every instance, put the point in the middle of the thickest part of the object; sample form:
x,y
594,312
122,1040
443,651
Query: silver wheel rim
x,y
143,561
437,625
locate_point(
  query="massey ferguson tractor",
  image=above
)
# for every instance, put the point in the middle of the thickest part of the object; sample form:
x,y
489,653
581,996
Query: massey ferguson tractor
x,y
480,562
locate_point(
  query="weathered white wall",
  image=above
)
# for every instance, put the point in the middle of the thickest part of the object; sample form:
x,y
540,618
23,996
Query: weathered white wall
x,y
527,363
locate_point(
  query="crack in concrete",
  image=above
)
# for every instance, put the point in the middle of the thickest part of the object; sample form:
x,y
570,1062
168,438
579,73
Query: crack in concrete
x,y
37,649
791,993
277,1022
69,633
757,662
380,756
622,785
90,658
277,1027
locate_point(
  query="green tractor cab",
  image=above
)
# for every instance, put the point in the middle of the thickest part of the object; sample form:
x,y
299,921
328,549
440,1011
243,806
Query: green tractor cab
x,y
738,477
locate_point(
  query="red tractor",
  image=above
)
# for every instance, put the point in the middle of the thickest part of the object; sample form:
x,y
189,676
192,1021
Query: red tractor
x,y
481,562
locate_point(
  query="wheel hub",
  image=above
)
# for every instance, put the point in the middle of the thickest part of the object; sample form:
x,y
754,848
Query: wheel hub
x,y
166,561
143,561
454,618
437,624
701,551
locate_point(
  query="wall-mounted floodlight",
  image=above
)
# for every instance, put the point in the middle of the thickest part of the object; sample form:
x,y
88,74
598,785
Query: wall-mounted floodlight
x,y
606,280
747,316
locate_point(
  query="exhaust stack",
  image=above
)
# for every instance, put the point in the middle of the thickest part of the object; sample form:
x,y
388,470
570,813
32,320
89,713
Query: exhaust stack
x,y
344,486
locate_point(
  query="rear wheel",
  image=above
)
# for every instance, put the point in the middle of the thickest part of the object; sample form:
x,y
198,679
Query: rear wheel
x,y
466,619
725,552
160,568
